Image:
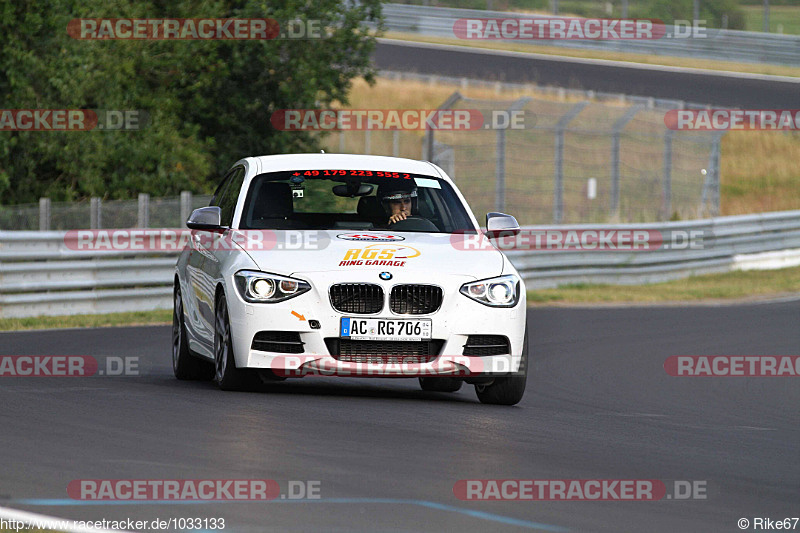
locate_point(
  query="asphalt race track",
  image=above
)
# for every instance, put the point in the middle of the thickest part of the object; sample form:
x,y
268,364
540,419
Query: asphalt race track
x,y
599,405
704,87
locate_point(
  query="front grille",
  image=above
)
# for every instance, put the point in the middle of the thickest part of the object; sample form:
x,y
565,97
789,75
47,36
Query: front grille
x,y
278,341
357,298
487,345
415,299
395,352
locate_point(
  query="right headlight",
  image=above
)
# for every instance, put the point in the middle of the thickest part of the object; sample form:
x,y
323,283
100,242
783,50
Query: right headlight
x,y
261,287
502,291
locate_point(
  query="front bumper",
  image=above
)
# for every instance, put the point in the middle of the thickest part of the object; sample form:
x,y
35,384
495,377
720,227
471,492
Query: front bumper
x,y
452,324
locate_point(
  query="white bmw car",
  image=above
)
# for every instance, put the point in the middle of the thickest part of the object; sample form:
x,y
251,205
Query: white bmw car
x,y
348,265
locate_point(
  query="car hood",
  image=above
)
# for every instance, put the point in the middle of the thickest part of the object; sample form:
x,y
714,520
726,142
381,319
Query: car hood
x,y
292,252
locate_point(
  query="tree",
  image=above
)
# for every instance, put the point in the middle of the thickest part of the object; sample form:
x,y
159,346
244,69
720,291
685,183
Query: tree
x,y
208,102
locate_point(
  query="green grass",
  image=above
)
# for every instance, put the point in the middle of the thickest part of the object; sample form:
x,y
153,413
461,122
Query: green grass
x,y
730,286
787,17
139,318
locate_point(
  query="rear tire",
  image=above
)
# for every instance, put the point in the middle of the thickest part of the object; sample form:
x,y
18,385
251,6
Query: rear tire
x,y
432,384
184,364
507,390
227,376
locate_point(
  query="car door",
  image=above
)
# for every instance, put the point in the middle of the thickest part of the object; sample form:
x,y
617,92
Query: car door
x,y
209,272
203,287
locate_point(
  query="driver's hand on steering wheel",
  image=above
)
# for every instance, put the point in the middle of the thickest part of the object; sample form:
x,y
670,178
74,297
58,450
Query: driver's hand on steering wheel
x,y
397,217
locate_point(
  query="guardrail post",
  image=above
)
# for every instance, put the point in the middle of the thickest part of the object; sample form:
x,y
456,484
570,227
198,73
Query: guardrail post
x,y
558,186
44,214
186,207
95,213
144,211
666,202
615,146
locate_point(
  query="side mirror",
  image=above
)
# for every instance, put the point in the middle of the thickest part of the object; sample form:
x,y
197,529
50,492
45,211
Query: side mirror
x,y
500,223
206,219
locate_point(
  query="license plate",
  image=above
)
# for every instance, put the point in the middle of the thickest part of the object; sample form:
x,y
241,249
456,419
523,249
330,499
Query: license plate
x,y
385,329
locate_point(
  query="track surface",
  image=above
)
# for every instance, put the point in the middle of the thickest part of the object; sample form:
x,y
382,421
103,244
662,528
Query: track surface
x,y
700,87
599,405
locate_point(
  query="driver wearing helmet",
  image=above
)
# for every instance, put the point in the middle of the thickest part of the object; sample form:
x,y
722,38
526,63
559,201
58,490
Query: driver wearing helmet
x,y
398,201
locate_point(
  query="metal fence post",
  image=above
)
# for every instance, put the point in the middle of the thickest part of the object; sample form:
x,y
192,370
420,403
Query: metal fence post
x,y
396,143
558,186
95,213
44,214
427,146
500,157
186,207
143,220
500,172
666,202
341,141
714,172
367,142
615,146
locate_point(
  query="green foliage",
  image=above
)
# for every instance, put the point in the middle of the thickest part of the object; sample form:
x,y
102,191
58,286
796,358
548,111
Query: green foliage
x,y
209,102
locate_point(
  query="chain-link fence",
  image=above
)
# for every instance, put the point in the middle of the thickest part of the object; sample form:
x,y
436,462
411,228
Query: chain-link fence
x,y
95,213
580,157
574,160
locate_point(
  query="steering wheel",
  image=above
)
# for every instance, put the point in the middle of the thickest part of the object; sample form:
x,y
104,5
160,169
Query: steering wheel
x,y
414,223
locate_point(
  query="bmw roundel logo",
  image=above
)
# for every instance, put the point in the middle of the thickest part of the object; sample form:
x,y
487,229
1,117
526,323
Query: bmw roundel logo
x,y
385,276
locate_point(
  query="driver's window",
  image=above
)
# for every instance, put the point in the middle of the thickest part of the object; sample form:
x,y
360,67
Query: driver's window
x,y
227,203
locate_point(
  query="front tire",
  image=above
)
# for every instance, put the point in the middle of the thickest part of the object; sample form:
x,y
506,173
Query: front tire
x,y
227,376
507,390
184,365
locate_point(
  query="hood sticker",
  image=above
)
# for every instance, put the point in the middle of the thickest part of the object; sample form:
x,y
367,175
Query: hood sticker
x,y
379,255
371,237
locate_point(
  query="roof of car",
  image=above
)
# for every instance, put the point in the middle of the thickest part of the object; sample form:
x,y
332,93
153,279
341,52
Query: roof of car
x,y
276,163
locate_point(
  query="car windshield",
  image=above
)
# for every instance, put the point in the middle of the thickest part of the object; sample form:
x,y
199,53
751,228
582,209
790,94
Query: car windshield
x,y
353,199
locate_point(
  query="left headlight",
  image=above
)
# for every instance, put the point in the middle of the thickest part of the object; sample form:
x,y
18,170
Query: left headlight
x,y
502,291
260,287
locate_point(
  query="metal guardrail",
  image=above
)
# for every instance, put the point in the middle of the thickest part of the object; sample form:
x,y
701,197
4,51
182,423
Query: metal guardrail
x,y
40,275
728,45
